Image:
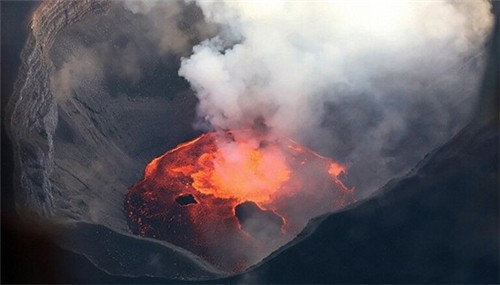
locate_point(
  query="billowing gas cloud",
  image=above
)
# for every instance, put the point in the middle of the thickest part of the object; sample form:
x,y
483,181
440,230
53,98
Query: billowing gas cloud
x,y
375,85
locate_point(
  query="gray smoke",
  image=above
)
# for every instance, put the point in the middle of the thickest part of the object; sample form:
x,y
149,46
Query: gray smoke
x,y
375,85
142,41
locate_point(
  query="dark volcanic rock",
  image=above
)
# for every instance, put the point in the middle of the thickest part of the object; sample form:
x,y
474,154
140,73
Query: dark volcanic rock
x,y
439,223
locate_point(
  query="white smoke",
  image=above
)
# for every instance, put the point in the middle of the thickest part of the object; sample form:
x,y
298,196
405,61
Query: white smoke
x,y
374,84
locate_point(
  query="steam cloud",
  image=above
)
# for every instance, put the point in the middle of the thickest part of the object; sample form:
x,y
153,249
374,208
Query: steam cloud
x,y
374,85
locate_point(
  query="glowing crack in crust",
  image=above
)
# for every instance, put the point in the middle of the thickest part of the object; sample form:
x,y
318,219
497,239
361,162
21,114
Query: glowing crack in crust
x,y
190,194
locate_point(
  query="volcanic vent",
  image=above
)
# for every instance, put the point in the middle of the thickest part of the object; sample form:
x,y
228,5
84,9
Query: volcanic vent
x,y
232,197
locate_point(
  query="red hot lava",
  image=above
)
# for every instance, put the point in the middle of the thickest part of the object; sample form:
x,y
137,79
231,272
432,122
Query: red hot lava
x,y
233,197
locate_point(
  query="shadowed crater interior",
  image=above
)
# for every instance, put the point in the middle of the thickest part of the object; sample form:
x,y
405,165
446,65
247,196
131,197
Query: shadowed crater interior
x,y
257,222
185,200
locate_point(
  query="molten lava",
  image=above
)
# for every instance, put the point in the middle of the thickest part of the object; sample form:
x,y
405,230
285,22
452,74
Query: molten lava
x,y
233,197
242,171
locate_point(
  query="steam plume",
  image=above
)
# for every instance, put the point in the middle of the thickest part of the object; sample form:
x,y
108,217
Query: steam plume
x,y
376,85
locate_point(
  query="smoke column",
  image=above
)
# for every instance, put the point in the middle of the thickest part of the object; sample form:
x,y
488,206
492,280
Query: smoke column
x,y
373,84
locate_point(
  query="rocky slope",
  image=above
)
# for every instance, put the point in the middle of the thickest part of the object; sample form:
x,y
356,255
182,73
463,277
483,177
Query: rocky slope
x,y
31,117
76,155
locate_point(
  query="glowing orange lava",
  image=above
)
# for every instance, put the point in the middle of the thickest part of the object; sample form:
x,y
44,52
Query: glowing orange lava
x,y
241,170
233,197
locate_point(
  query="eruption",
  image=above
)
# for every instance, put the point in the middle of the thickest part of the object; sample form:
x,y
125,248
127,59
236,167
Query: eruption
x,y
374,85
234,196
